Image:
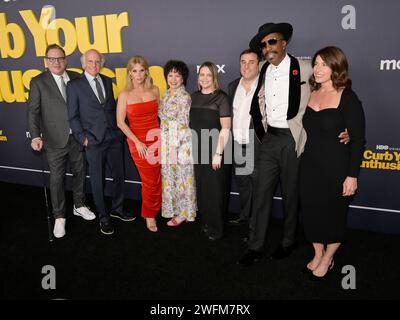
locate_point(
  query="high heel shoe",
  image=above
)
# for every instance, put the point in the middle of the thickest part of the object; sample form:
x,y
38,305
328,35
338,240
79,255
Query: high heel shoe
x,y
176,221
313,277
151,227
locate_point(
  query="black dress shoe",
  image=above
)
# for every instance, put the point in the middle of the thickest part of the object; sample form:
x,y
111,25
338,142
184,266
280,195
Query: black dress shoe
x,y
213,238
250,257
204,229
238,222
122,216
106,227
328,272
283,252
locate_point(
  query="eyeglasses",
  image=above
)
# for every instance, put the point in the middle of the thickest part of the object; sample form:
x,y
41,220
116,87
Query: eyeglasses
x,y
271,42
53,60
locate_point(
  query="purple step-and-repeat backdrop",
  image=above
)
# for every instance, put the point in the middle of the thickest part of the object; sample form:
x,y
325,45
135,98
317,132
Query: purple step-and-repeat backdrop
x,y
195,31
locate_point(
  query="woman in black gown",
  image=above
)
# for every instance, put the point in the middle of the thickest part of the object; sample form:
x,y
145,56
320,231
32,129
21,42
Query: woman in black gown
x,y
210,118
329,169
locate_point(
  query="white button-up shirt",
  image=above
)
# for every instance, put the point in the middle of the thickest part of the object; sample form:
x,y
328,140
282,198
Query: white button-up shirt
x,y
93,84
241,112
277,93
58,80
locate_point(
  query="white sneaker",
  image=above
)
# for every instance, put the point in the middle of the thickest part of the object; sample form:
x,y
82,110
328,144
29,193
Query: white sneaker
x,y
59,228
84,212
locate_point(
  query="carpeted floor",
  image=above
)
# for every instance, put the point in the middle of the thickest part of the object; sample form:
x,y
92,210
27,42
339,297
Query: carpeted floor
x,y
175,263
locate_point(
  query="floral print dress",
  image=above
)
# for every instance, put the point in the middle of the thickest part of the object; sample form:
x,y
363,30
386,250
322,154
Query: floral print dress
x,y
178,184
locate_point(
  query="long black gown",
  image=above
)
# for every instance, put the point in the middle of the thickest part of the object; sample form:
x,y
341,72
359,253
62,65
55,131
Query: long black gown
x,y
212,186
326,163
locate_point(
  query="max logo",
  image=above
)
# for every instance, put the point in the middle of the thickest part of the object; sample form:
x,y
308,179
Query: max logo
x,y
221,68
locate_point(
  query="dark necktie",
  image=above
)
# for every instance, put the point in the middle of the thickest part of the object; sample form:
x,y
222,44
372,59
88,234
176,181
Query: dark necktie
x,y
99,91
63,88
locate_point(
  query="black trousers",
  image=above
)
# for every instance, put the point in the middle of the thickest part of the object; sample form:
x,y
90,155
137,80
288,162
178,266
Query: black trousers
x,y
57,159
244,170
110,153
277,161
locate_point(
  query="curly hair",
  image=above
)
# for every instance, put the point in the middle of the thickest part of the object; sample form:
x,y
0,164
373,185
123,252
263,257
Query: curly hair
x,y
177,66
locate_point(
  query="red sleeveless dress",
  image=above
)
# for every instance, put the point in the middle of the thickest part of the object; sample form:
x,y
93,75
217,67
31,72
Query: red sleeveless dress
x,y
144,124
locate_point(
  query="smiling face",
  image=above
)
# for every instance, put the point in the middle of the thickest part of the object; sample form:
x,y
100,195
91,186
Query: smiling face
x,y
274,53
174,79
138,74
249,66
206,80
92,63
322,72
56,61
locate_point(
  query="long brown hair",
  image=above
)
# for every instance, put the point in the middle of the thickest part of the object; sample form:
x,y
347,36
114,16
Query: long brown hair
x,y
214,71
337,62
148,83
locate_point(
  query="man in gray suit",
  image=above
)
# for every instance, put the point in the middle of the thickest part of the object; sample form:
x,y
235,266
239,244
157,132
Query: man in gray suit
x,y
49,129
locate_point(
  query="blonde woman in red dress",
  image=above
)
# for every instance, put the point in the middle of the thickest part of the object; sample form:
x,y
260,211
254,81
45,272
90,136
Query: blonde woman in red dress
x,y
139,104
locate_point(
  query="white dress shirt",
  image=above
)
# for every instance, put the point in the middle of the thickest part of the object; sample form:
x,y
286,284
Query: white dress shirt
x,y
58,80
93,84
241,112
277,93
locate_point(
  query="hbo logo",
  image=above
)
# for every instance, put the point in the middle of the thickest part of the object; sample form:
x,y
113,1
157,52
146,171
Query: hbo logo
x,y
381,147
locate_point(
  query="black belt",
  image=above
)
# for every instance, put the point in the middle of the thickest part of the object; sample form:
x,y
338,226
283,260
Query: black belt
x,y
278,131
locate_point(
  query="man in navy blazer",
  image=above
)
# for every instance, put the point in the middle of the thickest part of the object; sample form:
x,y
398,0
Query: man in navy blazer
x,y
91,110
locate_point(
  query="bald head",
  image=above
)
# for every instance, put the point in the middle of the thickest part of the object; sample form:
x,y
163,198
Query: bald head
x,y
92,61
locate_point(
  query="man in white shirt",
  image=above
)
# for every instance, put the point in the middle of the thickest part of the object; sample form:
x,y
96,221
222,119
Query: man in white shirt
x,y
245,146
283,91
49,129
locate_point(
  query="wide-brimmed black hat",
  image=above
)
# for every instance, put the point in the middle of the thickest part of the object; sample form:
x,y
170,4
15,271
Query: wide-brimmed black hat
x,y
283,28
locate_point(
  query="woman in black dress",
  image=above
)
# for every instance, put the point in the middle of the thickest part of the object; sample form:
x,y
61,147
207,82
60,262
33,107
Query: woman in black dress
x,y
210,118
329,169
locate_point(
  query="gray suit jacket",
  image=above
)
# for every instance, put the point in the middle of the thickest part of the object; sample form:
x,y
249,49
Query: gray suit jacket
x,y
299,94
47,111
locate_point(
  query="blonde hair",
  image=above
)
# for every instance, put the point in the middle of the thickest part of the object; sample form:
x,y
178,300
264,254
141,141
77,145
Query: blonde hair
x,y
214,71
148,82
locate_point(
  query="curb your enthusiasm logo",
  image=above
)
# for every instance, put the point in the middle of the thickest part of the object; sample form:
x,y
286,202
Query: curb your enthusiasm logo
x,y
45,29
385,160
